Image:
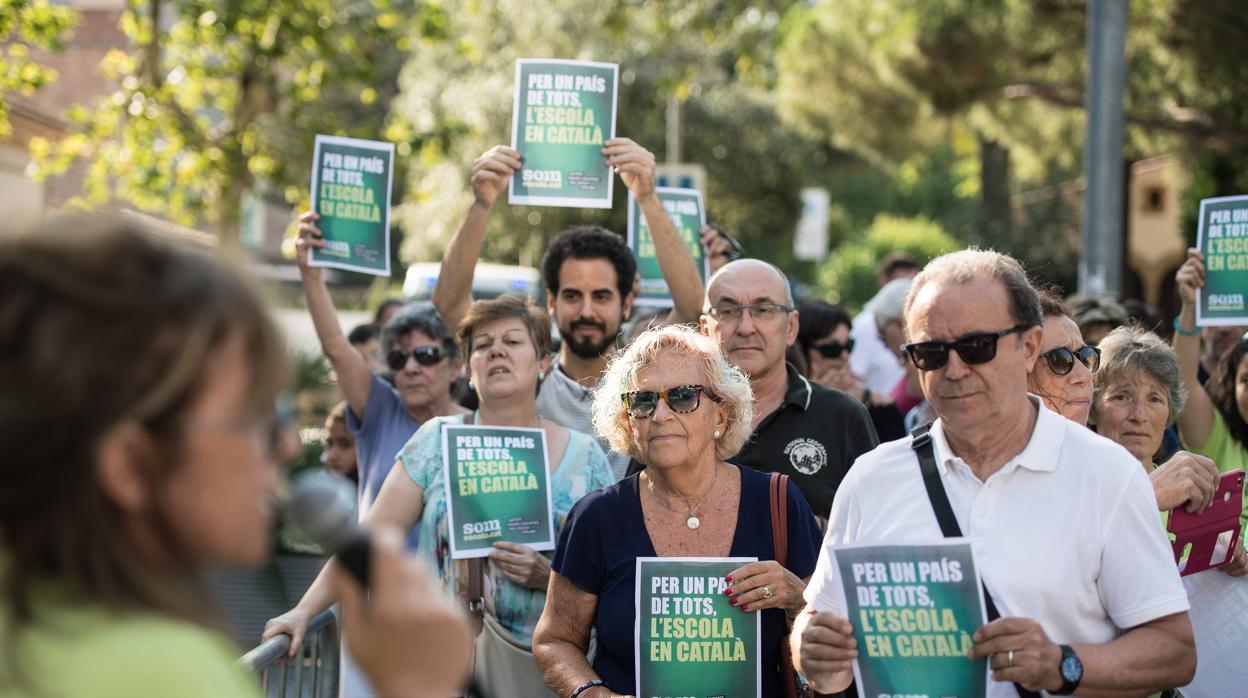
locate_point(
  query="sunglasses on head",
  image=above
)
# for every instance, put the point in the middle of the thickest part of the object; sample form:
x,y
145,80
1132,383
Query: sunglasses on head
x,y
976,348
425,356
831,350
641,404
1062,360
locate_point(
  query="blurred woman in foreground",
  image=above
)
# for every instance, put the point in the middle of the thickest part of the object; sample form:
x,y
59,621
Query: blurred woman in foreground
x,y
141,445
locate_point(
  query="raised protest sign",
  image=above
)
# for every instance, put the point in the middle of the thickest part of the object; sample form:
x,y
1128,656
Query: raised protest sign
x,y
351,182
563,115
684,207
497,488
914,607
1220,625
1222,237
690,641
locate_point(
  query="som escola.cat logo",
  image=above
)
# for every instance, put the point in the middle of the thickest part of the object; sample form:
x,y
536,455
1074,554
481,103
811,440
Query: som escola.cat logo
x,y
807,455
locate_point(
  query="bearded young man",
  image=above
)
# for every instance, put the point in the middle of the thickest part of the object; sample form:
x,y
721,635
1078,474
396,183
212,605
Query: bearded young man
x,y
589,274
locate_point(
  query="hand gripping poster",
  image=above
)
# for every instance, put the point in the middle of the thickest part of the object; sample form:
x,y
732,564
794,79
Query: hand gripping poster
x,y
914,608
1222,237
497,488
351,186
563,115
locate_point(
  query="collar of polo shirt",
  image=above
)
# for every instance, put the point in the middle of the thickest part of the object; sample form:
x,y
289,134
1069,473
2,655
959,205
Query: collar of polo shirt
x,y
1041,454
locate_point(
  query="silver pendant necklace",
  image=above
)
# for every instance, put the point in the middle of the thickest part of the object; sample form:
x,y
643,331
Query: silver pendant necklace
x,y
691,520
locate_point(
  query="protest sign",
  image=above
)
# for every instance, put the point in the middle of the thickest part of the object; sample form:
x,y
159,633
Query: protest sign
x,y
690,641
351,181
497,488
563,114
1220,625
914,607
1222,237
684,207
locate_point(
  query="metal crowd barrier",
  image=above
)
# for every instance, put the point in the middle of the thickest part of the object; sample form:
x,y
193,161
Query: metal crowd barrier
x,y
311,673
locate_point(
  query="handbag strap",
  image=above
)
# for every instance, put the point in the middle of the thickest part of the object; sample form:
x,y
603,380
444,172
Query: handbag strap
x,y
922,445
779,505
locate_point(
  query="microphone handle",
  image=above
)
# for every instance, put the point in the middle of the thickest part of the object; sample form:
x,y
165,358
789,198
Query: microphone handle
x,y
355,557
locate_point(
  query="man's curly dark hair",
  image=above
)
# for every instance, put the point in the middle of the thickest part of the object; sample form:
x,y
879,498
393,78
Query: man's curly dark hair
x,y
589,242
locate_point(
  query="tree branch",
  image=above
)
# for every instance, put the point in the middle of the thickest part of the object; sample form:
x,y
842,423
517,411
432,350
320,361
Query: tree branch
x,y
1184,121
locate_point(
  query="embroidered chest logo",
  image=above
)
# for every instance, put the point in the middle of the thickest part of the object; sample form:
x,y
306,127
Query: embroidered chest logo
x,y
807,455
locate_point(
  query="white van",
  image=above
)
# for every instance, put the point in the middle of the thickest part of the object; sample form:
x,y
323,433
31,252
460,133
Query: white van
x,y
489,281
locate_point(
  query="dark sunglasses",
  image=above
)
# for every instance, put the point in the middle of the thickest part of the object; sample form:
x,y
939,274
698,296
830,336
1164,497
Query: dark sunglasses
x,y
641,404
425,356
1062,360
831,350
977,348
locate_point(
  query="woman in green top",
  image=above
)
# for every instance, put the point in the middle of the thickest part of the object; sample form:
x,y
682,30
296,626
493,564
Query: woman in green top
x,y
1214,422
141,445
1137,394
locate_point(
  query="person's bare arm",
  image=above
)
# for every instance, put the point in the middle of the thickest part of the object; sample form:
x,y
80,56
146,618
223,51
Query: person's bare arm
x,y
1196,419
824,649
1149,657
355,378
399,504
452,294
636,167
561,638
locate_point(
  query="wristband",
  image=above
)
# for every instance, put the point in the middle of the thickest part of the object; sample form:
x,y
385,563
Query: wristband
x,y
585,687
1184,331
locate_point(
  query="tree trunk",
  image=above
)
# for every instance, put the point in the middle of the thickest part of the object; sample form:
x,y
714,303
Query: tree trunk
x,y
993,225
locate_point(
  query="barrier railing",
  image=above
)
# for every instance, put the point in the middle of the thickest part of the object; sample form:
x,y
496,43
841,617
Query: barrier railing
x,y
311,673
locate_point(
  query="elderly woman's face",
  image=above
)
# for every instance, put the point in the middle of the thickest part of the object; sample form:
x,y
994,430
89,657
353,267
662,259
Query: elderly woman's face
x,y
1071,394
669,439
1132,410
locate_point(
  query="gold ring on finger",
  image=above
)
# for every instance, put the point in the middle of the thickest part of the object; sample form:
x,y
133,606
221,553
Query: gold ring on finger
x,y
767,592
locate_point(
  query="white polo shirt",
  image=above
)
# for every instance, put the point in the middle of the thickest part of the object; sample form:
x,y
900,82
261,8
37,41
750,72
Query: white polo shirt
x,y
1067,533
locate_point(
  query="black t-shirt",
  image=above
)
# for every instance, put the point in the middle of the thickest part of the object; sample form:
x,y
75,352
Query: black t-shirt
x,y
813,437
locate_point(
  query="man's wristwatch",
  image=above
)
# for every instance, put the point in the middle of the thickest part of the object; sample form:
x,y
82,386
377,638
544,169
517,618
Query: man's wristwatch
x,y
1072,671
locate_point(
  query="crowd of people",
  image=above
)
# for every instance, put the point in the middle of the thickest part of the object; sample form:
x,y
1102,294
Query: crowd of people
x,y
1060,432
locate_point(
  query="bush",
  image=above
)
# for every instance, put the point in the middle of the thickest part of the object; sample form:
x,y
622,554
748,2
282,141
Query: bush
x,y
848,277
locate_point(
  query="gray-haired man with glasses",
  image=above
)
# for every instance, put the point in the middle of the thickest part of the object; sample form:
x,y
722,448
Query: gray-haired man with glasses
x,y
809,432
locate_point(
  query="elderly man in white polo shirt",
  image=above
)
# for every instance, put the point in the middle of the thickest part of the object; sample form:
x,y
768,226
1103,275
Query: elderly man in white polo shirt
x,y
1063,522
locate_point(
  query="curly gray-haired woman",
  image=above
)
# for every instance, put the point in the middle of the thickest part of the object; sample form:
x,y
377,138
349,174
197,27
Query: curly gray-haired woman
x,y
673,402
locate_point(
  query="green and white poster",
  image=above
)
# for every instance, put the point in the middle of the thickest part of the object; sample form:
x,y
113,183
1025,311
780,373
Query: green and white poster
x,y
351,183
690,641
684,207
1222,237
914,607
563,115
497,488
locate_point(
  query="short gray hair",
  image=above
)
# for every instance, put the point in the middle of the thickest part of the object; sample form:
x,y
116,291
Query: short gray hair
x,y
728,382
420,316
974,264
1132,348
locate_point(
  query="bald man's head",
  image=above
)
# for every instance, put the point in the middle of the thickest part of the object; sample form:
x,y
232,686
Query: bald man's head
x,y
733,274
755,338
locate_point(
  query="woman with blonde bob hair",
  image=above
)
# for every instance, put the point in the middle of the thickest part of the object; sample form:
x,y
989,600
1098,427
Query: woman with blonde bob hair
x,y
673,402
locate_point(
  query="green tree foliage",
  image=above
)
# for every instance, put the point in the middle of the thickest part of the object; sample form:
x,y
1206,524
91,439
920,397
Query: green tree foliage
x,y
850,273
214,98
27,25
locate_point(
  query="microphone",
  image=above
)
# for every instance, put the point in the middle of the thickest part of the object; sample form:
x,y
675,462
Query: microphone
x,y
321,510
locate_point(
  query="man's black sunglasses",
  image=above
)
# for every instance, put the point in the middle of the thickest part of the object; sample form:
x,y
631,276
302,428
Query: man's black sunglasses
x,y
425,356
1062,360
977,348
831,350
